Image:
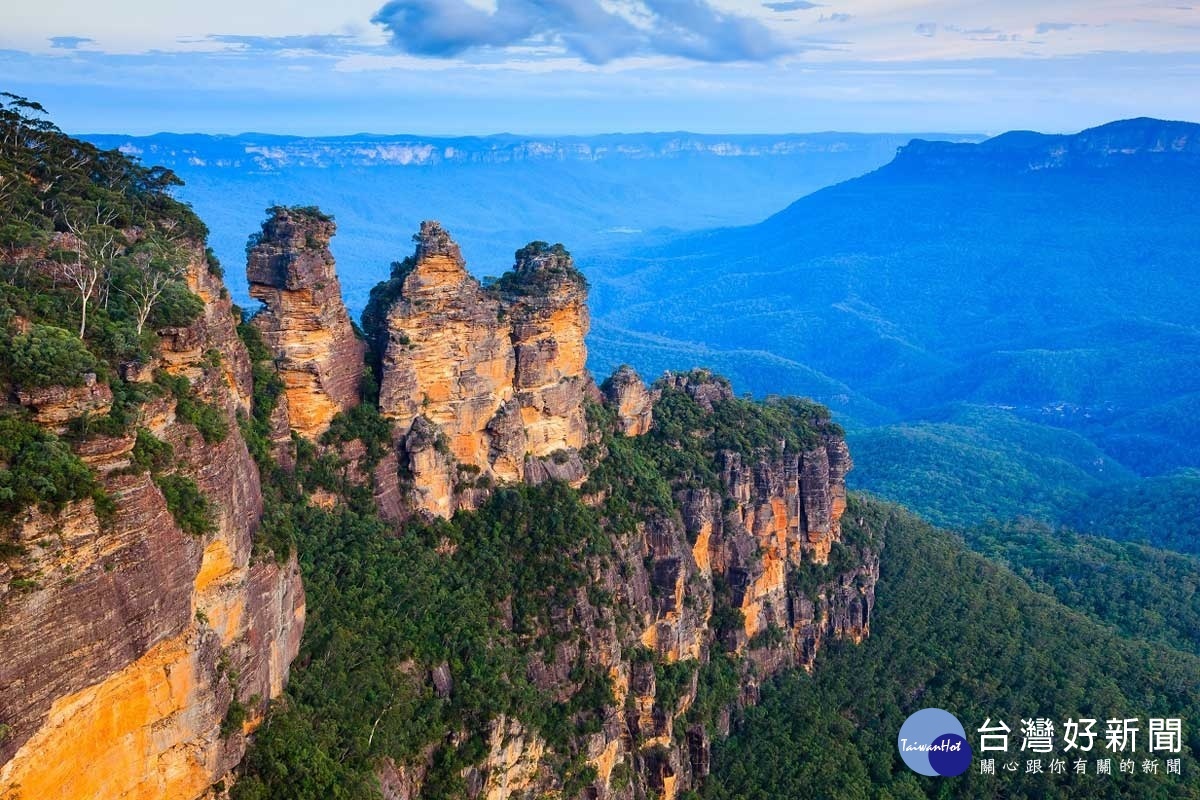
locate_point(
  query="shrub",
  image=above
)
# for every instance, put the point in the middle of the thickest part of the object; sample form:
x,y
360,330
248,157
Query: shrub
x,y
48,356
38,469
209,420
151,453
190,508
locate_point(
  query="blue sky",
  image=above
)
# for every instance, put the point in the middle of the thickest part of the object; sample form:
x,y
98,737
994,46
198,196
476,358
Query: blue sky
x,y
587,66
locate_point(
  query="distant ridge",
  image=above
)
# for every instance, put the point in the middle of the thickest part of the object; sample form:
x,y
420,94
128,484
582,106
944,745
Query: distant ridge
x,y
1145,138
271,151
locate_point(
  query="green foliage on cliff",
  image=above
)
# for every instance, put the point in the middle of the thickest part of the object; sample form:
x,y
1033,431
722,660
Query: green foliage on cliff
x,y
386,609
953,630
90,239
681,450
187,504
480,600
38,469
383,295
208,419
151,453
554,265
47,356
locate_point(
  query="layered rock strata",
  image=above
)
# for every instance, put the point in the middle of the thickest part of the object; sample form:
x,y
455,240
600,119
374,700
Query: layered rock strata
x,y
304,321
128,641
498,372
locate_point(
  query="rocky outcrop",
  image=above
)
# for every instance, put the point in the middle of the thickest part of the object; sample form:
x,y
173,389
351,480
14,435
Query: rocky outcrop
x,y
303,320
54,407
127,640
633,403
757,548
498,372
449,357
745,567
545,299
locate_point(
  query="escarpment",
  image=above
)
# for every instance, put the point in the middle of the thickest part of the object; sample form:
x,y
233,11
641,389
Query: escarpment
x,y
725,557
142,639
742,571
303,320
522,585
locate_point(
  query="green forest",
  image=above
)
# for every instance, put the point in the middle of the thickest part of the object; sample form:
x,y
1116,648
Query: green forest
x,y
419,637
958,631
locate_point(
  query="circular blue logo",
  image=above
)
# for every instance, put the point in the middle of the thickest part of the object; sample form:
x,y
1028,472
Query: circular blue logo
x,y
933,742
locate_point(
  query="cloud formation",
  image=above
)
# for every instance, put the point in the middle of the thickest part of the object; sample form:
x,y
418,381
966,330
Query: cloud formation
x,y
791,5
691,29
69,42
1048,27
318,43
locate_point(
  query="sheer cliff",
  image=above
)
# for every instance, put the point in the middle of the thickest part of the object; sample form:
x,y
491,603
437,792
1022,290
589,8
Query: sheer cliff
x,y
495,374
638,559
142,637
510,582
291,271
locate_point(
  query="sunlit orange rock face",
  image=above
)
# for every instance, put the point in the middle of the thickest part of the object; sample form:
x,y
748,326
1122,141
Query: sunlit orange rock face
x,y
450,358
632,401
120,639
499,371
304,321
545,299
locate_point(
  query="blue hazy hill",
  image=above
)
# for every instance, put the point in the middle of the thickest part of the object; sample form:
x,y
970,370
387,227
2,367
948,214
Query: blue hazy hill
x,y
497,193
1049,278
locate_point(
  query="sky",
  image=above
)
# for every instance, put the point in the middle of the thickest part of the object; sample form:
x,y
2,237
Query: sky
x,y
456,67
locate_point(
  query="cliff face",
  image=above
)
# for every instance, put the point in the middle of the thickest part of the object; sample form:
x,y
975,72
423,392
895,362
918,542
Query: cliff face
x,y
497,372
487,384
633,403
449,359
126,640
304,322
545,298
583,635
1146,142
740,578
758,545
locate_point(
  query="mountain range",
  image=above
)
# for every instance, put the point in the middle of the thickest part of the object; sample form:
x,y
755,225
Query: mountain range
x,y
587,192
275,554
1014,314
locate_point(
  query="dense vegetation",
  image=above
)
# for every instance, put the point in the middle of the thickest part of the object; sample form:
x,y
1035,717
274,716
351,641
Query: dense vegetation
x,y
955,631
93,249
471,599
967,464
422,637
1142,592
39,469
384,609
1160,511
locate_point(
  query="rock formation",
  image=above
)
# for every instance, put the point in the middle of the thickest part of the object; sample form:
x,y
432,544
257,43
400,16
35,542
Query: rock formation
x,y
145,623
304,322
545,298
633,403
499,371
449,358
126,640
754,545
